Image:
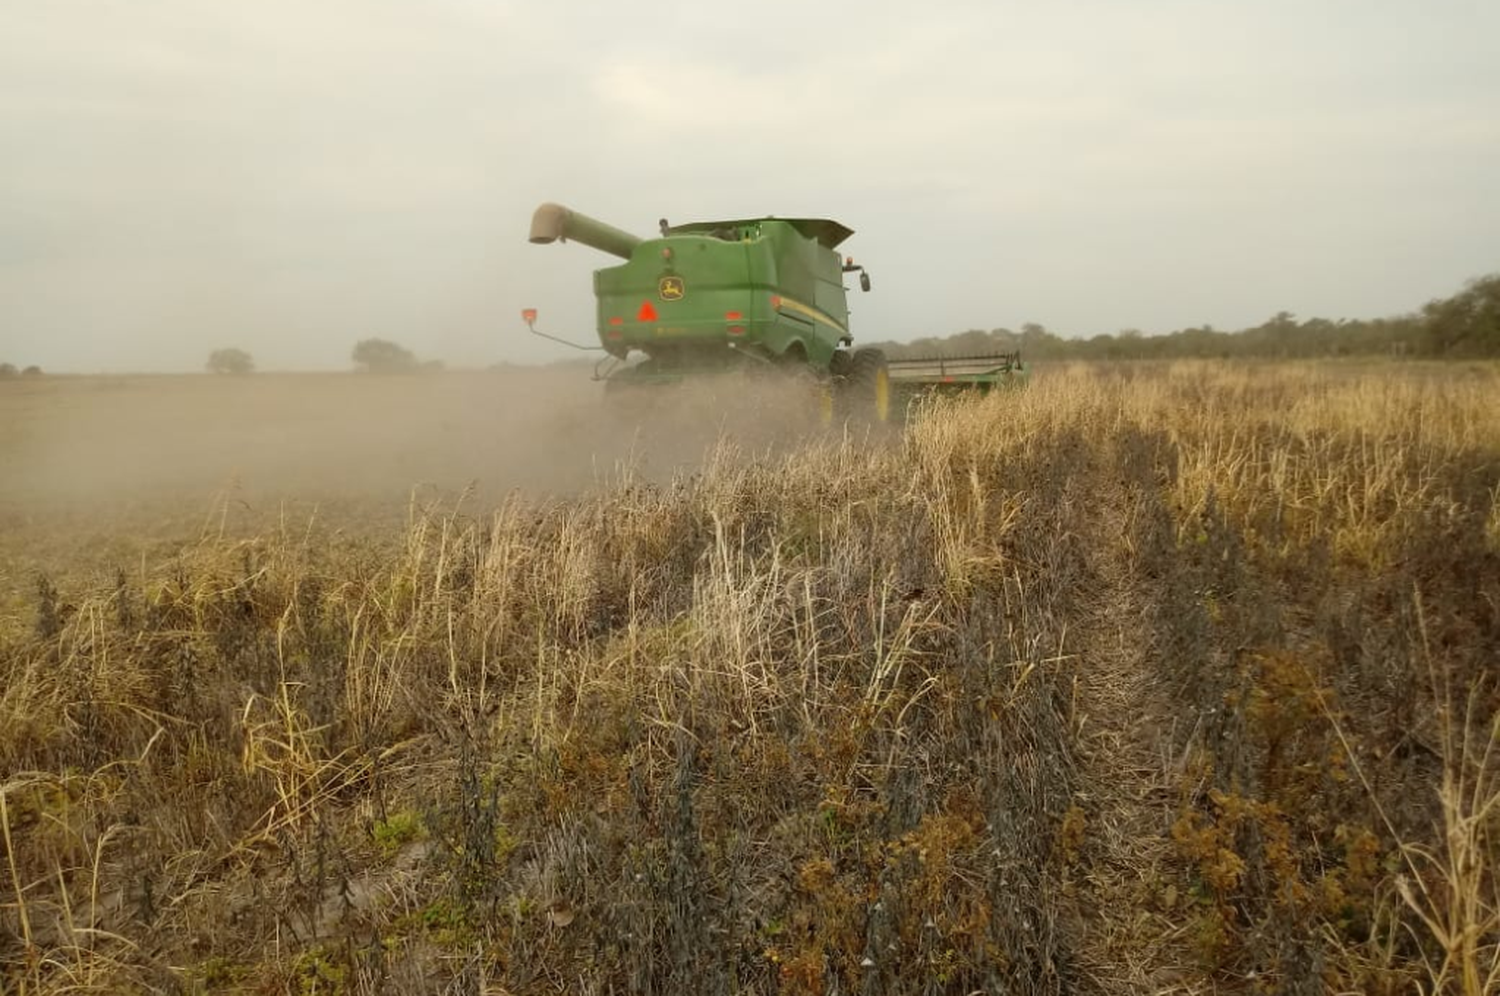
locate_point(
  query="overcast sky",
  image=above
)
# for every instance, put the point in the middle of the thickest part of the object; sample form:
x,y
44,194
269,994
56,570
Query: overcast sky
x,y
289,176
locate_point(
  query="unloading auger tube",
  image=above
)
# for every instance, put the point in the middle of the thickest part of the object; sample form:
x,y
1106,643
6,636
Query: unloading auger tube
x,y
553,222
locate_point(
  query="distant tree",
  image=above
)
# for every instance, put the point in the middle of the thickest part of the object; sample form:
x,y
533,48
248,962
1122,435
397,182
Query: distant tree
x,y
1466,324
8,370
32,371
383,356
1104,346
230,361
973,342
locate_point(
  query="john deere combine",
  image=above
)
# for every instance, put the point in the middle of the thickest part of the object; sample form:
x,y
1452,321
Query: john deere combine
x,y
755,293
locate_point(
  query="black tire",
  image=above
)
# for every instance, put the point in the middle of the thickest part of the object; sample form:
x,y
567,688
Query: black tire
x,y
792,365
865,391
628,393
797,393
840,363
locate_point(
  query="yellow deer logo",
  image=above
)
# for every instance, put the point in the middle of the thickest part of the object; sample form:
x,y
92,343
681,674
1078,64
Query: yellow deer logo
x,y
671,289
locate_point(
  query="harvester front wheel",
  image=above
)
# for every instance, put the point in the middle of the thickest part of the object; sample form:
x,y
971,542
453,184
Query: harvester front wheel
x,y
867,386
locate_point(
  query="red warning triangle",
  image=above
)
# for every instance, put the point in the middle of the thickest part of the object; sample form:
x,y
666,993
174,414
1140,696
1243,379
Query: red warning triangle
x,y
647,312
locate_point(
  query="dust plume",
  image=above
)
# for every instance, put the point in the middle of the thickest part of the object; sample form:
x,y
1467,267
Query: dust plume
x,y
154,446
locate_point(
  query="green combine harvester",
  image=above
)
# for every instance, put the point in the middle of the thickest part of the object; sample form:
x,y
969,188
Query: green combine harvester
x,y
751,294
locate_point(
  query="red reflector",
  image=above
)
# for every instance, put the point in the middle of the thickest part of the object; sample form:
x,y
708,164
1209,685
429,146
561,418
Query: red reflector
x,y
947,380
614,334
736,330
775,300
528,315
617,320
647,312
732,316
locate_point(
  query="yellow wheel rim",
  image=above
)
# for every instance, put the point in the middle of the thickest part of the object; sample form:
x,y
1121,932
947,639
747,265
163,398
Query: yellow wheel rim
x,y
882,395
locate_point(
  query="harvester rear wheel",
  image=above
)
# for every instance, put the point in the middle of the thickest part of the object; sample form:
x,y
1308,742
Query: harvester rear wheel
x,y
839,363
630,393
866,388
795,390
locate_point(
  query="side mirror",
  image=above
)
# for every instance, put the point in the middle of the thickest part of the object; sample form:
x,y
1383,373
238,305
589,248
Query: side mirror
x,y
864,280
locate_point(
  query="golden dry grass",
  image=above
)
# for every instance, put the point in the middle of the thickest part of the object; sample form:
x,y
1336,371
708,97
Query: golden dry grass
x,y
1146,679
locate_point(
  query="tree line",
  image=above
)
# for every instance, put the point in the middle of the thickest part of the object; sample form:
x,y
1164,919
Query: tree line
x,y
369,356
1464,326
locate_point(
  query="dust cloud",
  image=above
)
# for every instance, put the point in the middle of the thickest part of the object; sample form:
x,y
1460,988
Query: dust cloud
x,y
366,446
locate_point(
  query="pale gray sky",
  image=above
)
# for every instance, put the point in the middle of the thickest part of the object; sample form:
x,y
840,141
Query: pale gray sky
x,y
289,176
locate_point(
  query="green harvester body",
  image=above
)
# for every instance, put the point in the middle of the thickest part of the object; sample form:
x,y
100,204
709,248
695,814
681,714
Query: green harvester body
x,y
716,295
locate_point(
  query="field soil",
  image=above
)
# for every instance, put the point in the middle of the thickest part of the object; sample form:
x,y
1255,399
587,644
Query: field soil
x,y
1147,678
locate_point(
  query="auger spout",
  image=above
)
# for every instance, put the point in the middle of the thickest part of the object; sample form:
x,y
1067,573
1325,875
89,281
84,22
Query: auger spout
x,y
553,222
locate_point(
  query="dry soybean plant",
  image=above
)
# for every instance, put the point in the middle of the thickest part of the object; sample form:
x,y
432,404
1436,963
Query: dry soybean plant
x,y
1148,677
